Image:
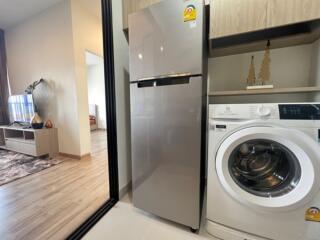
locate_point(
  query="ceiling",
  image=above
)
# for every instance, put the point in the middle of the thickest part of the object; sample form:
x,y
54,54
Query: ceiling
x,y
14,11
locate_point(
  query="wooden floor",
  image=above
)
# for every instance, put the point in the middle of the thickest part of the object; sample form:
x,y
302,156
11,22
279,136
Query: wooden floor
x,y
52,203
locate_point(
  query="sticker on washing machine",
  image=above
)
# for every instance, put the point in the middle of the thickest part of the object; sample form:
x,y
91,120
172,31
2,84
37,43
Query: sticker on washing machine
x,y
313,214
190,13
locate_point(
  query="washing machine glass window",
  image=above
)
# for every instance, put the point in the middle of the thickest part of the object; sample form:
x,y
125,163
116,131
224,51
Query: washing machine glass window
x,y
264,168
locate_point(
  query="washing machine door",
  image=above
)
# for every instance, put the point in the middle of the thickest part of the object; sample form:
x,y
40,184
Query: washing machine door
x,y
269,167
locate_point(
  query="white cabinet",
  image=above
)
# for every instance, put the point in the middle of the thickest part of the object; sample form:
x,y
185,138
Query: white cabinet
x,y
35,142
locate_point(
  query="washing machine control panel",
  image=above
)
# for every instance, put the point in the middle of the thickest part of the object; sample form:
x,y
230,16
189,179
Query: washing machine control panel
x,y
299,111
264,111
285,111
245,111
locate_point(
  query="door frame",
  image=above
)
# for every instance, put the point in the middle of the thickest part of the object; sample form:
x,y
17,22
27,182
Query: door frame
x,y
108,51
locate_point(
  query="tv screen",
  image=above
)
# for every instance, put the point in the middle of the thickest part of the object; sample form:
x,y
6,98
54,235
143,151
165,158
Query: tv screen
x,y
21,108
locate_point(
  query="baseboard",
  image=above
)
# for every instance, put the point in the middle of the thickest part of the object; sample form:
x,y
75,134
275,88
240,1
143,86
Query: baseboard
x,y
78,157
124,190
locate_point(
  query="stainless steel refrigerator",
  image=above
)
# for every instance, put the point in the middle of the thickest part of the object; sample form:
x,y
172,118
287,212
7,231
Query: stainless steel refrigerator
x,y
168,106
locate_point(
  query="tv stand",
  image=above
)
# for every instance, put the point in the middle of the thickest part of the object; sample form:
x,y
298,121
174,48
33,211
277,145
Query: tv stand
x,y
22,125
34,142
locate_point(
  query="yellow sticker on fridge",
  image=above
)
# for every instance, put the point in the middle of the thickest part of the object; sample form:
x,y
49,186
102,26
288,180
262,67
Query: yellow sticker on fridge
x,y
313,214
190,13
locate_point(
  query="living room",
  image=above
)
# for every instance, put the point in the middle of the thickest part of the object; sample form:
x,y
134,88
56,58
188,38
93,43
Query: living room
x,y
51,159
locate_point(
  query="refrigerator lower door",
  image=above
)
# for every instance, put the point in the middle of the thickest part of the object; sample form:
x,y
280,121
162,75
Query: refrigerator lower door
x,y
166,141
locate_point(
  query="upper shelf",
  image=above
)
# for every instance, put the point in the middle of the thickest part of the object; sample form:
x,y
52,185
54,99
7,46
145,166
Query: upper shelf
x,y
284,36
265,91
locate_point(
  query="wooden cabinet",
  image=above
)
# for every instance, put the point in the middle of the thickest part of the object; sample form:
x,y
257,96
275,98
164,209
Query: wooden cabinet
x,y
231,17
283,12
130,6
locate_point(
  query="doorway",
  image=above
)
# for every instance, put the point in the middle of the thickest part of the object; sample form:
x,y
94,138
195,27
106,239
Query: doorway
x,y
97,104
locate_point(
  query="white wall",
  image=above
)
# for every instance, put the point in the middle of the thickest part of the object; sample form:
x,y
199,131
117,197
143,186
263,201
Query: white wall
x,y
87,36
96,92
52,45
315,67
290,67
41,47
121,61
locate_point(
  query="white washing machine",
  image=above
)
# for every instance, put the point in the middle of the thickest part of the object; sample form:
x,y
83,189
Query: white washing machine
x,y
264,172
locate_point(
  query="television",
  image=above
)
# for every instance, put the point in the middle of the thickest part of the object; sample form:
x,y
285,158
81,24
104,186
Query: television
x,y
21,108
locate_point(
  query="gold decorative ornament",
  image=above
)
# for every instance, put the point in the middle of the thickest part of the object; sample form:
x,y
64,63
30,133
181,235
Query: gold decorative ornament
x,y
264,74
36,121
48,124
251,80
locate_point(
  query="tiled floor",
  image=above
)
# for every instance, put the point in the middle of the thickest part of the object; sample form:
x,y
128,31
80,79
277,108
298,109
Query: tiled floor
x,y
126,222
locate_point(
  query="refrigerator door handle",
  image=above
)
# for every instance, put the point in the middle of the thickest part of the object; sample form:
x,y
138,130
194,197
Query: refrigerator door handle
x,y
176,75
165,81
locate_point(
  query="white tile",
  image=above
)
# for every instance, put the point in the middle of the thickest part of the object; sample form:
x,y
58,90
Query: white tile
x,y
126,222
